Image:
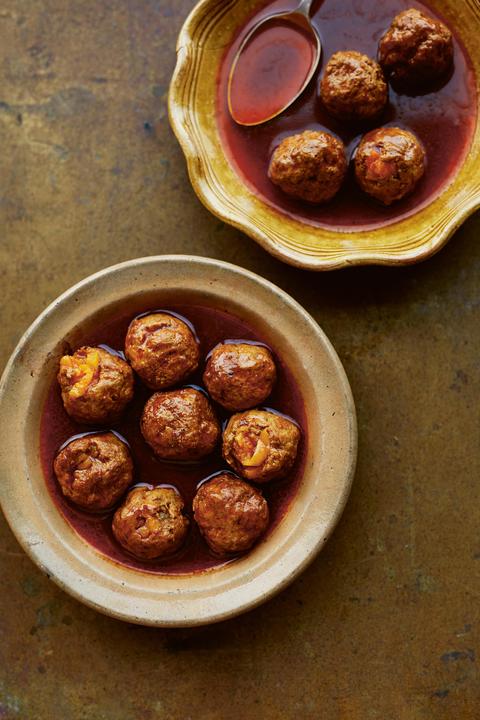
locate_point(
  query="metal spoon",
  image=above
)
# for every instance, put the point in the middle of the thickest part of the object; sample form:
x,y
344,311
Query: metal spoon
x,y
300,17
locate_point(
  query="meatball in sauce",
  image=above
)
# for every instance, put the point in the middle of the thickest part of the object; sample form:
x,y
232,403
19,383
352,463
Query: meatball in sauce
x,y
150,524
96,385
443,115
239,375
310,166
92,520
261,445
389,162
94,471
353,87
180,425
162,350
416,50
231,514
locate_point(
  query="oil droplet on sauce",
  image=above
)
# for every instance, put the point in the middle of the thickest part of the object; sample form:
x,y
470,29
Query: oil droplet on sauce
x,y
270,71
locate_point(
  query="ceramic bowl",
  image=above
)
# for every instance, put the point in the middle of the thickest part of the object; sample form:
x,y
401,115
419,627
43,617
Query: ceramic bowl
x,y
207,32
204,597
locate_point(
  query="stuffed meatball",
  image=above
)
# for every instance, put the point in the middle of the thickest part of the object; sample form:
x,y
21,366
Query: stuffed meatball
x,y
239,375
96,385
94,471
150,524
389,163
230,513
180,425
353,87
260,445
310,166
162,350
416,50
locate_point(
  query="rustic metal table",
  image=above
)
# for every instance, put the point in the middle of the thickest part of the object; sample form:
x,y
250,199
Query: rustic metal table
x,y
386,623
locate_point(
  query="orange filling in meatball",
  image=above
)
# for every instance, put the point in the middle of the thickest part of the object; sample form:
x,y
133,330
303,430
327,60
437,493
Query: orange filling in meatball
x,y
251,449
80,370
84,461
148,527
378,168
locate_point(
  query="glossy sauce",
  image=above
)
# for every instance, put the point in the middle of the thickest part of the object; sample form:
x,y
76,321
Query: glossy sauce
x,y
212,326
444,120
276,61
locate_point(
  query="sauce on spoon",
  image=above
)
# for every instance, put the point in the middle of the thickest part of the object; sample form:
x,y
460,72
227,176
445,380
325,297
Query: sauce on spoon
x,y
271,69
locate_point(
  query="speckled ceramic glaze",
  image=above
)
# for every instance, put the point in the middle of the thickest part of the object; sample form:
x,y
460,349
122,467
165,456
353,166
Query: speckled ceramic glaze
x,y
201,45
199,598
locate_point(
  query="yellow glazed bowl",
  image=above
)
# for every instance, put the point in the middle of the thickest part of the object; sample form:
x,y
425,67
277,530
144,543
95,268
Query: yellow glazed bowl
x,y
201,45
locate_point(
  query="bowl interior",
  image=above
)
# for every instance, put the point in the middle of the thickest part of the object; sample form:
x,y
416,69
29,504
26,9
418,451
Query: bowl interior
x,y
202,44
183,599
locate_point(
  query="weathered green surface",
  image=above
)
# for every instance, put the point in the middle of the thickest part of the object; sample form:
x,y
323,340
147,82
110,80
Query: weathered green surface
x,y
386,623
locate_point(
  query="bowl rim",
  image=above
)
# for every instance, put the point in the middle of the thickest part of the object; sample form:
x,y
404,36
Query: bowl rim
x,y
10,463
198,167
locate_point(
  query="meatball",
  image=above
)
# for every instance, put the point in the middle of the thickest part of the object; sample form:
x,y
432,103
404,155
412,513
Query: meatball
x,y
94,471
239,375
310,166
260,445
353,87
150,524
161,349
180,425
416,49
230,513
389,163
96,385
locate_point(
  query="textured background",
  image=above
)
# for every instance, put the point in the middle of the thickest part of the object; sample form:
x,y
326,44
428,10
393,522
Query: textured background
x,y
386,623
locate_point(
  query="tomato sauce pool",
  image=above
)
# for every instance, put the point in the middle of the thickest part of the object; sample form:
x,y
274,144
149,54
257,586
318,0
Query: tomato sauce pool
x,y
444,120
212,326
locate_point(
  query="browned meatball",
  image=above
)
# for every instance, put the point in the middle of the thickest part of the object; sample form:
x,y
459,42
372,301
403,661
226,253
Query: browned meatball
x,y
161,349
260,445
180,425
310,166
150,524
353,87
239,375
416,49
96,385
94,471
230,513
389,163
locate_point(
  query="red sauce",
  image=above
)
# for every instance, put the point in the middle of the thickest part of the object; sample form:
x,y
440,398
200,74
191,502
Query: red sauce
x,y
212,326
445,120
276,61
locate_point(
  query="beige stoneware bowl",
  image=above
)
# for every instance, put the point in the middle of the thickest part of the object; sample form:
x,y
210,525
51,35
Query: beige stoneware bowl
x,y
201,45
204,597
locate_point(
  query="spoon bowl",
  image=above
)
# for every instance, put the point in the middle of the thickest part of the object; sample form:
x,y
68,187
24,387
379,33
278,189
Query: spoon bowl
x,y
271,58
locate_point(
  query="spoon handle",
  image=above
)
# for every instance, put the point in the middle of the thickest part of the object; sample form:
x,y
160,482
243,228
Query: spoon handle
x,y
305,7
